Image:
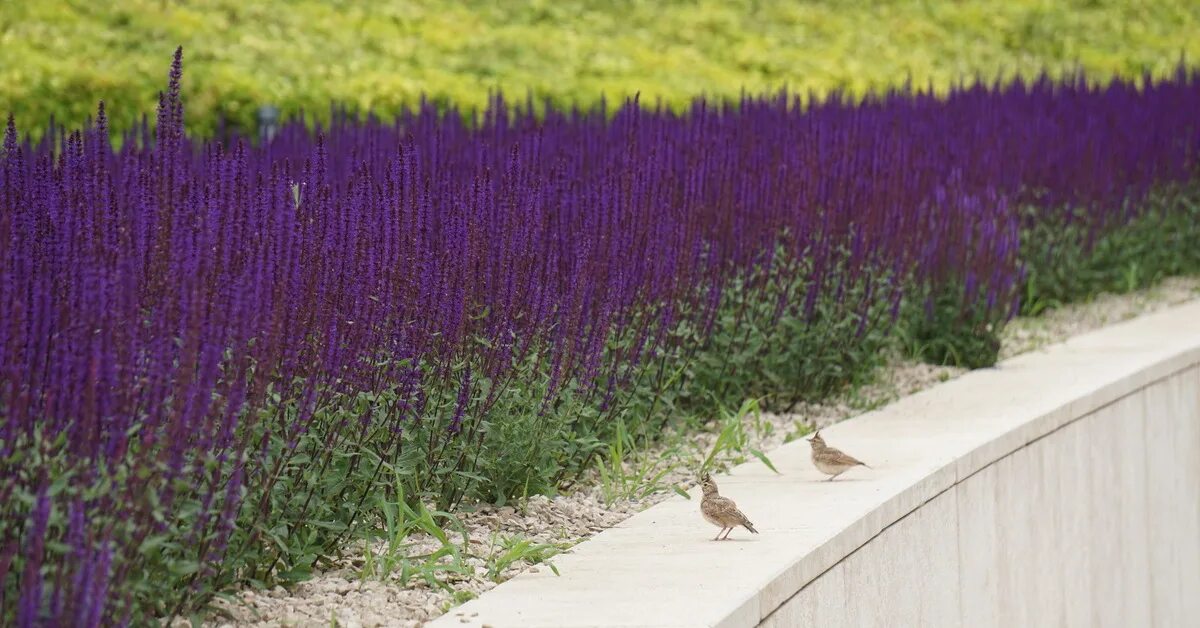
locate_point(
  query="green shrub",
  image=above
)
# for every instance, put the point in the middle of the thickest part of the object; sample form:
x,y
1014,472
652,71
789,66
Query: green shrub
x,y
937,329
382,56
1065,263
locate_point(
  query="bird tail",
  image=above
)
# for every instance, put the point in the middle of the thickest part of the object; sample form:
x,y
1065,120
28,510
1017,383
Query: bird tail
x,y
865,465
749,526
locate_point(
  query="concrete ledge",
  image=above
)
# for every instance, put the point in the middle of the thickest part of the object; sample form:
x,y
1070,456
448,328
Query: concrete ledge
x,y
1060,488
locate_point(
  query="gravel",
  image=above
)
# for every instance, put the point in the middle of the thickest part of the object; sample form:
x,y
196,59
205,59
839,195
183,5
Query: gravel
x,y
1028,334
346,597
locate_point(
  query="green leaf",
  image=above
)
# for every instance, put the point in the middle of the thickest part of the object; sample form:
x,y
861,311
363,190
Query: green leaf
x,y
154,542
763,458
183,567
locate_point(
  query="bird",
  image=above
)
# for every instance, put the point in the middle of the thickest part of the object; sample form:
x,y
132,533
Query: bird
x,y
829,460
721,511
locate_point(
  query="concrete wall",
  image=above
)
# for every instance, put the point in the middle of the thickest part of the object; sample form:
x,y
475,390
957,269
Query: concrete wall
x,y
1096,523
1060,489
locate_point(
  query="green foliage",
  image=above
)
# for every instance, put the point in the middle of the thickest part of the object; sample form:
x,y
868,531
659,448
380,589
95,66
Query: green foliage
x,y
1065,263
942,331
798,430
525,447
626,473
63,56
171,558
733,440
509,550
401,520
760,350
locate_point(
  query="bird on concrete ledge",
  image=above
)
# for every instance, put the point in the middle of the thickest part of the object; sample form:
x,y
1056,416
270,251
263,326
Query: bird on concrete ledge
x,y
721,511
829,460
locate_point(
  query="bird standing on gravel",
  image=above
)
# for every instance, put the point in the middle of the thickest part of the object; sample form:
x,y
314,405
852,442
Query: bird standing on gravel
x,y
830,461
721,511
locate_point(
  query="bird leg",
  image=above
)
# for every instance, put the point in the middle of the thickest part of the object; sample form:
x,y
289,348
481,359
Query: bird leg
x,y
718,537
728,533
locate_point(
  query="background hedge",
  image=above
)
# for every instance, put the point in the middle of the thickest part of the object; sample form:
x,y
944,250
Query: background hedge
x,y
61,56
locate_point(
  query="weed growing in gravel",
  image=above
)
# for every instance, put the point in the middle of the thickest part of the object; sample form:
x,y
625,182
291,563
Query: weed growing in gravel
x,y
799,430
507,550
628,474
394,561
733,439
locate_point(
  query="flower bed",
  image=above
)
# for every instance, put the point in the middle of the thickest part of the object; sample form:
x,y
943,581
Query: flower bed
x,y
221,361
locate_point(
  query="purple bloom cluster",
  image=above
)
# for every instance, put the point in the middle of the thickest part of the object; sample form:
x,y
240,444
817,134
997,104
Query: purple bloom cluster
x,y
163,301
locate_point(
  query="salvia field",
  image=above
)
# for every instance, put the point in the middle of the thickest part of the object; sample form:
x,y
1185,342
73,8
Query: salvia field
x,y
217,354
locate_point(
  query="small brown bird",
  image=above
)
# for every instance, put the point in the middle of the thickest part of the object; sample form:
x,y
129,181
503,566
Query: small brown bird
x,y
830,461
721,511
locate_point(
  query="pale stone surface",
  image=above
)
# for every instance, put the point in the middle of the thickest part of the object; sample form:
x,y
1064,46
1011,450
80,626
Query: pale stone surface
x,y
1073,447
1172,466
1062,488
978,549
913,565
821,603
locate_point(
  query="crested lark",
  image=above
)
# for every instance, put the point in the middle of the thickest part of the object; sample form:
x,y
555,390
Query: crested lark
x,y
830,461
721,511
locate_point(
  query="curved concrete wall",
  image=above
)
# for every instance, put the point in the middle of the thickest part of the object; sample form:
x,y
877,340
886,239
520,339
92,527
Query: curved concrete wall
x,y
1096,523
1060,489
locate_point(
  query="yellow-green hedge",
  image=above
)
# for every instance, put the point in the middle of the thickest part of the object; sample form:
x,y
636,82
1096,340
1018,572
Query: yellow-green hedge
x,y
61,56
